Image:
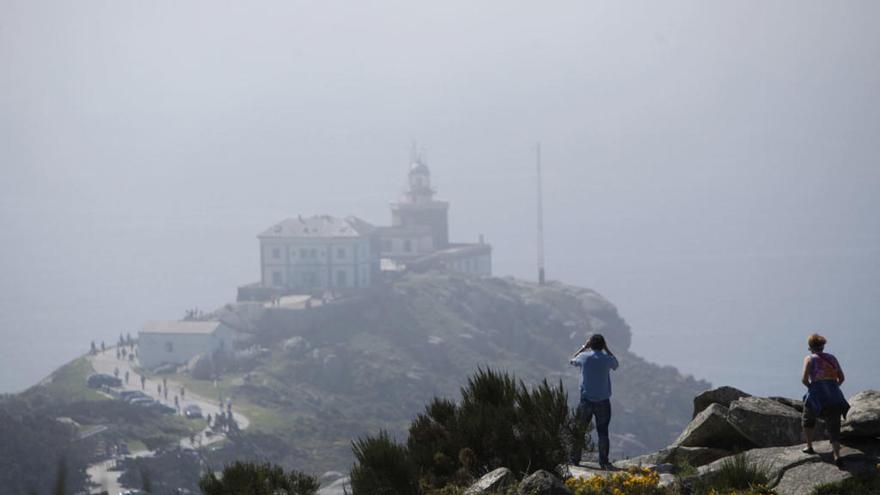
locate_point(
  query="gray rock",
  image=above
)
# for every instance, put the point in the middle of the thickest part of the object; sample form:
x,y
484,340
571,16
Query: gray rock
x,y
492,482
695,456
804,478
722,396
711,429
773,460
542,483
796,404
765,422
863,419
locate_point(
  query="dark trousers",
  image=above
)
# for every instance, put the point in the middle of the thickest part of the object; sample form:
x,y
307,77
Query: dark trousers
x,y
586,410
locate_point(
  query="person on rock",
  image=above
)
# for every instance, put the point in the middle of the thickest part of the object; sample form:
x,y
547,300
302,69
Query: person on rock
x,y
596,361
822,375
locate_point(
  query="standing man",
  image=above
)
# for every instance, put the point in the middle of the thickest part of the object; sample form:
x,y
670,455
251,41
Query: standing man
x,y
596,362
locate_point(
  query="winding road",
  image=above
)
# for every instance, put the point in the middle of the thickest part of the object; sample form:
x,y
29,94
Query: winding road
x,y
102,473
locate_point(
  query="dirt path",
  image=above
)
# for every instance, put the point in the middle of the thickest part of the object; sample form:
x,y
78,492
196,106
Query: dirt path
x,y
106,362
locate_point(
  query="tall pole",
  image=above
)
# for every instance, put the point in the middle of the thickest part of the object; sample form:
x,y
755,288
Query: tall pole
x,y
541,278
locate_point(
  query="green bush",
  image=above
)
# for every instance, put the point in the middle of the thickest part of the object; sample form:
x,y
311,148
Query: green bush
x,y
383,467
498,423
258,479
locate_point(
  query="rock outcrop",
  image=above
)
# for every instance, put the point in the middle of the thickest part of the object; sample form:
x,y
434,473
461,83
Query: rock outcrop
x,y
711,428
492,482
765,422
723,396
542,483
863,419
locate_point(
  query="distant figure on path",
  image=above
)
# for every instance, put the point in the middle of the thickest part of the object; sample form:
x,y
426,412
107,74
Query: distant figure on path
x,y
103,347
116,372
93,349
595,366
823,376
159,388
126,377
165,391
143,382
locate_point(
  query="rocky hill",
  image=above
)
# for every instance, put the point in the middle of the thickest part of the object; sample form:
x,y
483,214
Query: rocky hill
x,y
318,378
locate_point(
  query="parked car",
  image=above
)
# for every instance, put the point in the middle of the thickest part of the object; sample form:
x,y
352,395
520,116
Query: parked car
x,y
141,401
99,380
130,398
192,411
162,408
127,394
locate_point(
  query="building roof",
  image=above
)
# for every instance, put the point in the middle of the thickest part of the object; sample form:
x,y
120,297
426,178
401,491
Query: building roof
x,y
400,231
181,327
318,226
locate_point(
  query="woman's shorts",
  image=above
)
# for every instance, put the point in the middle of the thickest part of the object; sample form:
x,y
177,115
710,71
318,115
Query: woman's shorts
x,y
831,416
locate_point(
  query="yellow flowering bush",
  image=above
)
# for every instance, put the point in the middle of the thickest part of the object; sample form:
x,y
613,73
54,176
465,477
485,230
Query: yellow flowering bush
x,y
633,481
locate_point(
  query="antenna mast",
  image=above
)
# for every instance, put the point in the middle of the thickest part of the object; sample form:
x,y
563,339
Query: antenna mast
x,y
541,279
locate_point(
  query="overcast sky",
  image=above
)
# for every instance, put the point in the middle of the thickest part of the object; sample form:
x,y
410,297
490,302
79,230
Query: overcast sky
x,y
711,167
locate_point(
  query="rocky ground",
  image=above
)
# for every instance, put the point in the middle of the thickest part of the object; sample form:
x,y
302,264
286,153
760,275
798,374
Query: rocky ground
x,y
727,422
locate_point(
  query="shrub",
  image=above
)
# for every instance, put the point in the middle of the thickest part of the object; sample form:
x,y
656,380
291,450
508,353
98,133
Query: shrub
x,y
498,423
258,479
383,467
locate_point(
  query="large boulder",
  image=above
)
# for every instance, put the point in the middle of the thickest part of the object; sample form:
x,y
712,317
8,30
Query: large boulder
x,y
863,419
542,483
492,482
722,396
773,460
790,471
796,404
711,429
694,456
806,477
766,422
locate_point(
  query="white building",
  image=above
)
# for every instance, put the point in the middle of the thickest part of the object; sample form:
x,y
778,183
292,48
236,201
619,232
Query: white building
x,y
319,252
176,342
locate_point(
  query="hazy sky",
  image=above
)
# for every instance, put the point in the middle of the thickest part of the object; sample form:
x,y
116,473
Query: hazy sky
x,y
711,167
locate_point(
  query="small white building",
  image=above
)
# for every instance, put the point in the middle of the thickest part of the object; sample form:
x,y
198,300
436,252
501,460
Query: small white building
x,y
176,342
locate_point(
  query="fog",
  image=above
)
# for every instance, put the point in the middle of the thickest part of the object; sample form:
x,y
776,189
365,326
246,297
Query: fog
x,y
711,168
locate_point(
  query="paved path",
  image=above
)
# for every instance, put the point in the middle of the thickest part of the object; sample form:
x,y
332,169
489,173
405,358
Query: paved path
x,y
106,362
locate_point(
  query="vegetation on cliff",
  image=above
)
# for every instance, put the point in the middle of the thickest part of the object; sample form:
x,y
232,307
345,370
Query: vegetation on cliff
x,y
369,364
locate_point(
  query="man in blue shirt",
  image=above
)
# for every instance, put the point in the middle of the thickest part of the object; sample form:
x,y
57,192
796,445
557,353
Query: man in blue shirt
x,y
595,361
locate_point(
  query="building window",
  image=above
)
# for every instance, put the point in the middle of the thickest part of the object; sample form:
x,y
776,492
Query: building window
x,y
303,253
387,245
340,253
310,280
276,253
169,347
276,279
340,278
407,245
293,253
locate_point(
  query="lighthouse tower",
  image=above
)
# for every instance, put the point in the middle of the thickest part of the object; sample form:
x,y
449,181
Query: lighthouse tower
x,y
418,208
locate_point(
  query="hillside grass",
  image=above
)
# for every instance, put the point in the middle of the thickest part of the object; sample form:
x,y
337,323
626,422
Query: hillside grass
x,y
68,383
